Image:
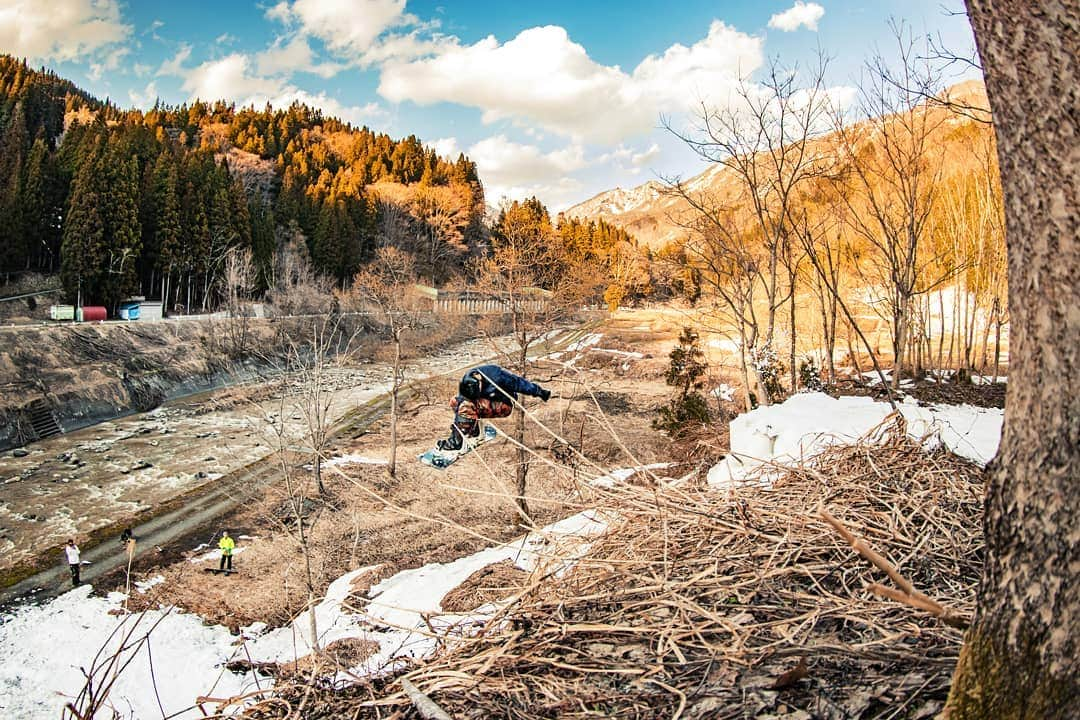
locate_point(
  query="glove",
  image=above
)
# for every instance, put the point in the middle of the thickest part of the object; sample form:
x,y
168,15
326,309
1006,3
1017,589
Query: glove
x,y
545,394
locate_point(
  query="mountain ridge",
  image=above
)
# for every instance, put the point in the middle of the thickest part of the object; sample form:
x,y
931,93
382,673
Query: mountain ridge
x,y
651,214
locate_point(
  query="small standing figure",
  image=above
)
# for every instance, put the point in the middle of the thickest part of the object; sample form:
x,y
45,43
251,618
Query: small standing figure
x,y
485,392
127,540
73,560
226,545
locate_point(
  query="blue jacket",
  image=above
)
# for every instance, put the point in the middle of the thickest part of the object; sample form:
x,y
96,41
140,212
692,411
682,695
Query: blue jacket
x,y
497,383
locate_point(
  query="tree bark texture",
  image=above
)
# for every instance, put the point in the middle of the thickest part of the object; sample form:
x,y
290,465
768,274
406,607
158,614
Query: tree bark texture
x,y
1021,657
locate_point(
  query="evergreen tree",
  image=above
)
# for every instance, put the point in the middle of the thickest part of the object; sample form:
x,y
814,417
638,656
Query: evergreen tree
x,y
36,205
13,145
318,161
123,234
263,243
168,233
84,231
686,373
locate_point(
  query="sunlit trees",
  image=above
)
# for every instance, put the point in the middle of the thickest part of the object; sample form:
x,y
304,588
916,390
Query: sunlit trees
x,y
742,236
525,272
890,174
311,173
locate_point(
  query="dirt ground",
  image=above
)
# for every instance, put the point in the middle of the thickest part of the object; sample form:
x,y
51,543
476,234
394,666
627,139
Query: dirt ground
x,y
605,395
72,484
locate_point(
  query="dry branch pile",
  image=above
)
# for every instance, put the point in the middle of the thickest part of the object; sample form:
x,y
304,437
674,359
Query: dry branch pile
x,y
704,604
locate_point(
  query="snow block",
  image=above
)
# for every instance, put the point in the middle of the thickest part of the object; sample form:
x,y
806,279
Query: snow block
x,y
807,423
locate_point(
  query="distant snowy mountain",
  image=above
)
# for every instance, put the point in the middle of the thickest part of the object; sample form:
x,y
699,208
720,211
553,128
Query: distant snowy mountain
x,y
649,212
618,201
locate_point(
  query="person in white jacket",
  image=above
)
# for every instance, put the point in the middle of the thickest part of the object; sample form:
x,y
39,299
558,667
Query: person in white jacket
x,y
72,552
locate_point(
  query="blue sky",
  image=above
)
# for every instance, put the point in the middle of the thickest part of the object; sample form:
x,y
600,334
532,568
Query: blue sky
x,y
559,99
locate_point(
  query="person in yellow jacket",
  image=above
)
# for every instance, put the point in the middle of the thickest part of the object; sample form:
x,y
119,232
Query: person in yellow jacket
x,y
226,545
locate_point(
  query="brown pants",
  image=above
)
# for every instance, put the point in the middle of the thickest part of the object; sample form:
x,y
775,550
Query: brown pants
x,y
468,413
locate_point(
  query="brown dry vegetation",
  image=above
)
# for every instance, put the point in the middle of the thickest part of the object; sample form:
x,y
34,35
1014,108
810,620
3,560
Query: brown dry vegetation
x,y
701,604
423,515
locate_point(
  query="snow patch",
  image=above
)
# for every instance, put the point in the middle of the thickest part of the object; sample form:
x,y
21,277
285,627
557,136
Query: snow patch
x,y
587,341
402,610
42,649
807,423
624,353
144,586
724,392
214,555
353,460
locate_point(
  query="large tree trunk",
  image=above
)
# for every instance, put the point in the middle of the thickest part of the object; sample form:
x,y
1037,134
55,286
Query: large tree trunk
x,y
1021,657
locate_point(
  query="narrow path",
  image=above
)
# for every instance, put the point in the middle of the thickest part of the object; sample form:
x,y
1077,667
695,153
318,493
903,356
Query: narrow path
x,y
203,505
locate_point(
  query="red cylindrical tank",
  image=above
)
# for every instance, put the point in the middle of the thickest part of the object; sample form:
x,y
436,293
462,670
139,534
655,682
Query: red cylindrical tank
x,y
93,313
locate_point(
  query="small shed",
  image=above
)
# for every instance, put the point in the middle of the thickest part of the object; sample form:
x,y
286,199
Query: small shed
x,y
62,312
129,311
91,313
149,311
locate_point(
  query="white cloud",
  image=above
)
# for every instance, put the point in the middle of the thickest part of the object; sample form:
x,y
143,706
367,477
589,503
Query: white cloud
x,y
446,147
234,78
145,99
404,47
60,29
505,162
543,77
174,65
231,77
514,170
344,25
292,56
110,62
644,158
801,14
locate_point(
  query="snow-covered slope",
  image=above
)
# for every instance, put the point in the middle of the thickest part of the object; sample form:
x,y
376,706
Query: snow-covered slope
x,y
618,201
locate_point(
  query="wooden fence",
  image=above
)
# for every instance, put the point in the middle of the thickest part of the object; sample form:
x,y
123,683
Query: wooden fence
x,y
471,302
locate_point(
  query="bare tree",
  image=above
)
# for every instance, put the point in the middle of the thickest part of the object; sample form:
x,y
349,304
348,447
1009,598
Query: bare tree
x,y
307,390
440,236
889,183
743,234
525,273
386,286
295,288
239,279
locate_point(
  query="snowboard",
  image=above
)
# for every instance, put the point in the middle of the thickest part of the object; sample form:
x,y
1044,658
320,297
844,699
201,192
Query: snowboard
x,y
442,459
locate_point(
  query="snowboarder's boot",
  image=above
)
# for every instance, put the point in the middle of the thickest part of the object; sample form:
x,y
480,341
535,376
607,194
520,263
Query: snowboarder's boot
x,y
452,443
460,433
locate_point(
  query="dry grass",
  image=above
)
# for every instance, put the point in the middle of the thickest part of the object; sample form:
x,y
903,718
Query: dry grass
x,y
493,583
708,604
369,518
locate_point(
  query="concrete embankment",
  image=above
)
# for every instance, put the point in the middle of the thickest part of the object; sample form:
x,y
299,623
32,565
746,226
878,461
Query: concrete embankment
x,y
64,377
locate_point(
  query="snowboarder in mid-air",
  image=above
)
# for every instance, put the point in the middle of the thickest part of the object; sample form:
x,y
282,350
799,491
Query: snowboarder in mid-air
x,y
484,392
